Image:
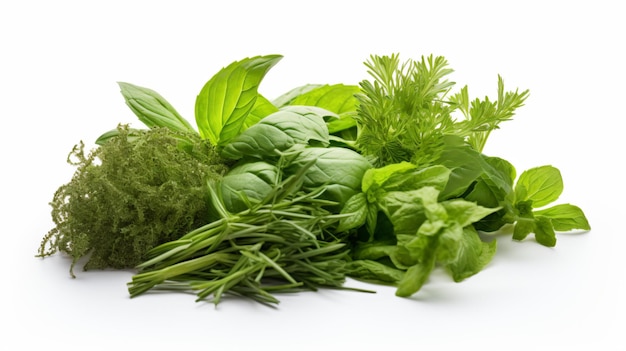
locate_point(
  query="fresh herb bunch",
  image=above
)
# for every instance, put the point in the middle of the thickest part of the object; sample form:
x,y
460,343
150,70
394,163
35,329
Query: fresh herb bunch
x,y
385,181
405,111
139,189
286,242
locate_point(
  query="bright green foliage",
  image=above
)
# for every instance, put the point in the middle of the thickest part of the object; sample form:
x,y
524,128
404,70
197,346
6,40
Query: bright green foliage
x,y
426,230
385,181
225,101
284,243
279,132
405,111
152,109
536,188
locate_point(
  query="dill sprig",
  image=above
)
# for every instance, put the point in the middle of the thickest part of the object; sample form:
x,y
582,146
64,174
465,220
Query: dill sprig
x,y
405,110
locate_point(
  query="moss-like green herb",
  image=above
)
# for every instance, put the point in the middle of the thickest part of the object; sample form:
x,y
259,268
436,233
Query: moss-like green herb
x,y
138,190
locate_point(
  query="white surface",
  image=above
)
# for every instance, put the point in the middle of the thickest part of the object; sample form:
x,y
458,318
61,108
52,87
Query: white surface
x,y
58,70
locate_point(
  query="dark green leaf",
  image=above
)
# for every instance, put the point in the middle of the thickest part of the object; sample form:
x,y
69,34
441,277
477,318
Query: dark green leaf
x,y
357,208
374,271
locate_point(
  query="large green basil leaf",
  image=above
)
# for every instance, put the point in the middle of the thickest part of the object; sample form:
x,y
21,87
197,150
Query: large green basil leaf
x,y
288,97
225,101
338,98
338,170
278,132
247,183
262,108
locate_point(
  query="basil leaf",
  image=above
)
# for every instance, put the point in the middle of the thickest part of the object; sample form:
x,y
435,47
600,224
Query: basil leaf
x,y
287,97
225,101
338,170
565,217
338,98
152,109
541,185
247,183
278,132
262,108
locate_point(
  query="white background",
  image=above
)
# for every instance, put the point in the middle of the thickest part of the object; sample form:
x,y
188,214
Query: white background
x,y
59,64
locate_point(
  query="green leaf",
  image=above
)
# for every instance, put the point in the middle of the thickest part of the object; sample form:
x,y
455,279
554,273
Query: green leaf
x,y
278,132
473,255
406,209
565,217
152,109
372,219
340,124
541,185
133,134
225,101
544,231
373,271
287,97
338,98
373,250
338,170
267,172
377,176
262,108
464,212
465,163
415,277
239,190
357,208
525,222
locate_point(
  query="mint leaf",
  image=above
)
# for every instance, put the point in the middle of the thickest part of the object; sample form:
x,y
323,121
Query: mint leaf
x,y
541,185
374,271
415,277
472,257
357,209
544,232
565,217
224,102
